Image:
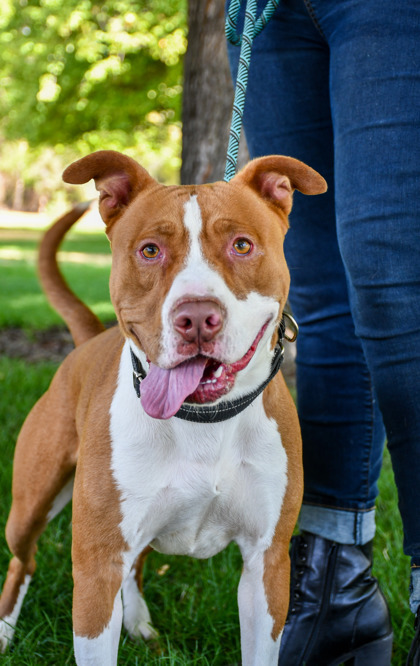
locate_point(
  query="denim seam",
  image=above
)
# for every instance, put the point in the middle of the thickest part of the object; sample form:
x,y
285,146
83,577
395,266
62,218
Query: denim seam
x,y
339,508
357,527
369,435
312,14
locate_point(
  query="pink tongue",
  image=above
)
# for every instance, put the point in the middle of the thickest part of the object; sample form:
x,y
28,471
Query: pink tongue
x,y
164,391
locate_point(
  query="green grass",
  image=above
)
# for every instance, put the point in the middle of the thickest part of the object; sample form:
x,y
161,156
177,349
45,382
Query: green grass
x,y
85,265
391,566
193,603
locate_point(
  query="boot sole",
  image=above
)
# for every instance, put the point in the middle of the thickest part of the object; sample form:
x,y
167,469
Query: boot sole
x,y
377,653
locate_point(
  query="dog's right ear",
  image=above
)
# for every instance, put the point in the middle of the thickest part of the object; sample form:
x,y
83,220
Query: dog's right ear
x,y
118,179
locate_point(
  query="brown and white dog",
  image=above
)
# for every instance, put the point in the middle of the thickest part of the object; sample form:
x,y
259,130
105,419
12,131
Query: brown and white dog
x,y
198,283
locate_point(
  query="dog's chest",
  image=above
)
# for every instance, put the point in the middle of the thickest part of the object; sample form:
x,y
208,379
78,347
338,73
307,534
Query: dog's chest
x,y
204,502
192,488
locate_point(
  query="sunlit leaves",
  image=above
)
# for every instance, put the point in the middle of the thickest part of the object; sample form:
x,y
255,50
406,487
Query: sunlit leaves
x,y
69,69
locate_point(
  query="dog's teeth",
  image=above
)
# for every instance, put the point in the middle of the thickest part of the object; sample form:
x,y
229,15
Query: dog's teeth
x,y
208,381
218,372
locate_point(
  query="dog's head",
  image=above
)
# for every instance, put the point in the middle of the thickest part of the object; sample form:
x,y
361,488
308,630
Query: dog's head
x,y
198,279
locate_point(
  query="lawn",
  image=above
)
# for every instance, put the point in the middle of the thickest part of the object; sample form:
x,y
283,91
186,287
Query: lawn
x,y
193,603
85,259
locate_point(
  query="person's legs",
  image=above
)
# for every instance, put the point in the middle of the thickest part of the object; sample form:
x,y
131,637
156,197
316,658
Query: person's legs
x,y
371,61
375,60
375,100
288,111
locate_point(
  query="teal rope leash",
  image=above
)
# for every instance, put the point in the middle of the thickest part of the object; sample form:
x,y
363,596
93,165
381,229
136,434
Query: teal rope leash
x,y
252,28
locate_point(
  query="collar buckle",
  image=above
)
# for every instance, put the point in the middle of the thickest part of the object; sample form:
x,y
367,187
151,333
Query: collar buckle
x,y
291,328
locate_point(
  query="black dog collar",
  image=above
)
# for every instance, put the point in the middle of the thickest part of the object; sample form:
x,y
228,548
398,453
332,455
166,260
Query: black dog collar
x,y
226,409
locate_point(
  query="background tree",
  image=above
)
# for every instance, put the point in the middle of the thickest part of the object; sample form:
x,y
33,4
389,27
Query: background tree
x,y
83,75
208,95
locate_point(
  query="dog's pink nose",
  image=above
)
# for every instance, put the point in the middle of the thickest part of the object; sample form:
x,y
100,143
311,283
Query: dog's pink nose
x,y
198,321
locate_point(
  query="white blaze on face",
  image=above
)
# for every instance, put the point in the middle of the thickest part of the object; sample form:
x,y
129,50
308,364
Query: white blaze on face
x,y
199,280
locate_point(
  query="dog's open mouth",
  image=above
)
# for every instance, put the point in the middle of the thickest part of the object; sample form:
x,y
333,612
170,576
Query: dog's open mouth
x,y
197,380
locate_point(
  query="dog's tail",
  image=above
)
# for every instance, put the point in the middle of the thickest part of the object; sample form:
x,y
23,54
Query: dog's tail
x,y
81,321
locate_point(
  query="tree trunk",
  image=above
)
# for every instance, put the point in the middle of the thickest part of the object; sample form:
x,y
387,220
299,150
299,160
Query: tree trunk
x,y
208,95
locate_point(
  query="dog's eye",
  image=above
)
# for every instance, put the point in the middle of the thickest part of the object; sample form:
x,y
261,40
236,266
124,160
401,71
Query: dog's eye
x,y
242,246
150,251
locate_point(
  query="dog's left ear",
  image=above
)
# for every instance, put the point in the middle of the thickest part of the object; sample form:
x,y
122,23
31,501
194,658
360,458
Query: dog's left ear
x,y
118,179
276,177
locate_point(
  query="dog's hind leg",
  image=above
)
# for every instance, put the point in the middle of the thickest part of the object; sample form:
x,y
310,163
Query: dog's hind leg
x,y
42,475
14,590
136,618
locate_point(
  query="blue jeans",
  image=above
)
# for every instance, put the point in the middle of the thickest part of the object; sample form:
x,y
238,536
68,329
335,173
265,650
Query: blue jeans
x,y
336,83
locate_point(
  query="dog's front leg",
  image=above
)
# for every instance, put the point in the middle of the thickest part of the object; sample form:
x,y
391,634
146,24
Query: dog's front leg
x,y
263,597
98,570
100,649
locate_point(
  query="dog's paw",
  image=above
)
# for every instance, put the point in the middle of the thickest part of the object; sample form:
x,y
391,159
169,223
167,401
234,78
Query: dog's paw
x,y
136,616
137,620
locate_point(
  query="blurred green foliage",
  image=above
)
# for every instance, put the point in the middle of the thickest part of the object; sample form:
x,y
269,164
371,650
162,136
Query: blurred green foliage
x,y
72,70
84,75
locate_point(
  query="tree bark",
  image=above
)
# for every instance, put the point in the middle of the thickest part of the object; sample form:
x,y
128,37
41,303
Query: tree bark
x,y
208,95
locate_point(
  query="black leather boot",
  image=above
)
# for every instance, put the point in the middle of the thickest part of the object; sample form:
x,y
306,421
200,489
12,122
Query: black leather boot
x,y
337,613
